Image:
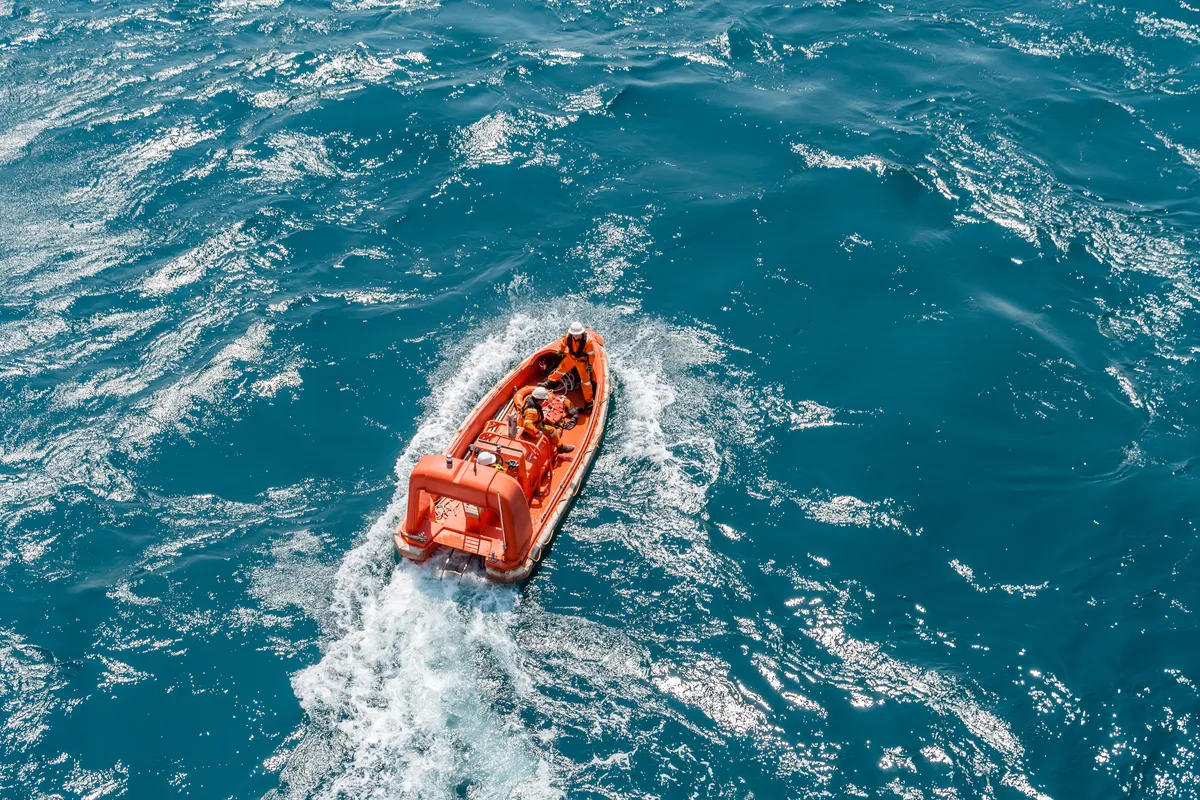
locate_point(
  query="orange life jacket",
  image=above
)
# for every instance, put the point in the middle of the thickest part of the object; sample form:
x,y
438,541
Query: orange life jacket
x,y
551,411
581,350
554,409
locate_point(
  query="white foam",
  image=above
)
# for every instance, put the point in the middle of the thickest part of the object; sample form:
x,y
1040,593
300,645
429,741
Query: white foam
x,y
816,158
848,510
1024,590
31,682
872,677
168,407
191,266
375,5
1130,390
1154,26
1013,188
555,57
117,673
271,98
344,71
503,137
715,52
91,784
419,674
294,156
235,9
269,387
396,703
699,57
616,244
590,101
662,458
14,140
1190,157
486,141
119,181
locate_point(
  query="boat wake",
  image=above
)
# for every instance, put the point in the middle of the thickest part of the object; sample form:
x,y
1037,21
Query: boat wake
x,y
396,705
430,687
626,658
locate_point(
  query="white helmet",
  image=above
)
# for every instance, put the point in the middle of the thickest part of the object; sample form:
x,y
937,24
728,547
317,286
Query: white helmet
x,y
576,329
486,458
540,393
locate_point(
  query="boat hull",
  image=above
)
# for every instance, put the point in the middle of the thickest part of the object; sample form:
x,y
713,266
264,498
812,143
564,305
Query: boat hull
x,y
453,503
550,529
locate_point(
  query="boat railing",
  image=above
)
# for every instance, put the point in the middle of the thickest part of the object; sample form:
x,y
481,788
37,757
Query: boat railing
x,y
436,477
535,455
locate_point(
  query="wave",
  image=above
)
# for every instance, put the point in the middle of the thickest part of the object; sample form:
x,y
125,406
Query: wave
x,y
433,689
407,699
395,704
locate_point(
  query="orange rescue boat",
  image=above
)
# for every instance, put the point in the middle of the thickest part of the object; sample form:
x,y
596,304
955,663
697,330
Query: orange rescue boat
x,y
503,518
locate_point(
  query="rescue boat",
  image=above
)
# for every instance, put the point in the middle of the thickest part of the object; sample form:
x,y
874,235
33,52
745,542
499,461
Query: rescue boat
x,y
500,520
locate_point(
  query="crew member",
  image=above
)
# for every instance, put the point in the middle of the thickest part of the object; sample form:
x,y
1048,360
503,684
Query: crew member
x,y
578,352
542,412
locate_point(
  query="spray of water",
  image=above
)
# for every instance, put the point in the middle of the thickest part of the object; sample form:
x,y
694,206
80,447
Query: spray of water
x,y
402,704
395,706
449,689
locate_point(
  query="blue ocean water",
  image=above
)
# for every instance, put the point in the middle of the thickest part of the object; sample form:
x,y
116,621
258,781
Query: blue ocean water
x,y
897,496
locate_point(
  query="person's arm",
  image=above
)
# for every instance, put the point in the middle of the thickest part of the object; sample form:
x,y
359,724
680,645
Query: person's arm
x,y
529,422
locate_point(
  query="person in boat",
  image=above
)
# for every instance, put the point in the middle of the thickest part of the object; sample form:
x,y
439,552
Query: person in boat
x,y
578,351
544,412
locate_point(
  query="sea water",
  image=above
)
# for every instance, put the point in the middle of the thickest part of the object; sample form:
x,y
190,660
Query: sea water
x,y
898,492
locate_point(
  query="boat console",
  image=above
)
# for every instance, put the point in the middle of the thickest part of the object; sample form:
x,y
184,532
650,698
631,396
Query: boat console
x,y
527,460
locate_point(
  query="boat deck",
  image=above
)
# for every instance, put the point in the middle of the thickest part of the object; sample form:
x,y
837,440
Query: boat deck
x,y
460,506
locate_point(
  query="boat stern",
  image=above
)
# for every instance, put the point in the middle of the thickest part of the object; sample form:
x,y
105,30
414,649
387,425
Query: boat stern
x,y
453,503
416,551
